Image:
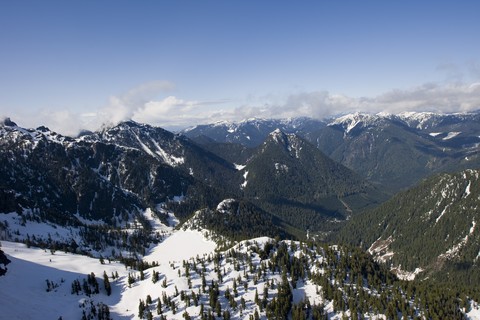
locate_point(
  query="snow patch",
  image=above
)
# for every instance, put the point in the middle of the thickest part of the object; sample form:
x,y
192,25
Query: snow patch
x,y
406,275
144,146
179,198
239,167
279,167
441,214
185,244
23,289
451,135
474,312
155,222
467,189
168,158
452,252
225,205
277,135
244,184
379,249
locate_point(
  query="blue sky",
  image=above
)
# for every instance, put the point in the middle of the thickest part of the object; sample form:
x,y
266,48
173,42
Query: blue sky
x,y
77,64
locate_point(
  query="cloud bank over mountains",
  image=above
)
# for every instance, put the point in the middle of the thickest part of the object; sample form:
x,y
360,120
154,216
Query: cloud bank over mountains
x,y
143,104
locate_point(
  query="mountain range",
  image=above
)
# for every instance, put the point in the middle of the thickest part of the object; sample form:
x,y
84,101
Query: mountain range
x,y
398,195
393,151
125,169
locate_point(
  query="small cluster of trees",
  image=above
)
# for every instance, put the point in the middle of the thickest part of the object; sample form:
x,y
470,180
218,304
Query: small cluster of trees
x,y
90,285
99,311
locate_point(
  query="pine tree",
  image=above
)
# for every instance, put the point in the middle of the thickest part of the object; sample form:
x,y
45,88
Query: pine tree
x,y
131,280
141,309
159,307
106,284
218,308
256,315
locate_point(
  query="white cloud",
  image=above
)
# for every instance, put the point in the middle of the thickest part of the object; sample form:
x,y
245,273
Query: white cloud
x,y
119,108
142,104
62,121
124,107
163,110
429,97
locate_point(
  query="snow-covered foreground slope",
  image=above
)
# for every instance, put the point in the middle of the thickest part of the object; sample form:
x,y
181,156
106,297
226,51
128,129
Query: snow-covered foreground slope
x,y
181,245
23,290
188,278
24,295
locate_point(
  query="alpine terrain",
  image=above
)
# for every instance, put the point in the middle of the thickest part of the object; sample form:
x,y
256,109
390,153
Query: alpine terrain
x,y
362,217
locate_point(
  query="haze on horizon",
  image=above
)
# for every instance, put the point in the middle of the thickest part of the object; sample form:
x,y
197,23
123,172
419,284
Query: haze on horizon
x,y
78,65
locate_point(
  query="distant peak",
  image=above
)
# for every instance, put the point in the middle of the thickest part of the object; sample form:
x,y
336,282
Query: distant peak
x,y
43,129
280,137
254,120
128,124
277,134
131,122
8,122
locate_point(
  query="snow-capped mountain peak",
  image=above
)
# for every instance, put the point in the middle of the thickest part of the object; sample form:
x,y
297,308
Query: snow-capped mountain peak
x,y
10,130
278,135
353,120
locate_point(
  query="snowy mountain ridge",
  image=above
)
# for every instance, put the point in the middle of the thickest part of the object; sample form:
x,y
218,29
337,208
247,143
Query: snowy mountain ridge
x,y
350,121
418,120
10,130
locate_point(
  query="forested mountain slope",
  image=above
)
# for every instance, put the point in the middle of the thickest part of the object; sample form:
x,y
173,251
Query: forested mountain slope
x,y
433,227
289,177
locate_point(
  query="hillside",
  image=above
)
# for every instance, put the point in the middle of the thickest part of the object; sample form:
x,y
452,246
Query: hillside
x,y
60,176
94,191
257,278
431,227
291,178
168,148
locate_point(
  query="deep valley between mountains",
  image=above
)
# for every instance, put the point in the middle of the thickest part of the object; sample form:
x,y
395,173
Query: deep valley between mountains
x,y
361,217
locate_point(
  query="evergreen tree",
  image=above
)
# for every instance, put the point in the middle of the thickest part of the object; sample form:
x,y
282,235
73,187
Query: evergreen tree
x,y
106,284
141,309
159,307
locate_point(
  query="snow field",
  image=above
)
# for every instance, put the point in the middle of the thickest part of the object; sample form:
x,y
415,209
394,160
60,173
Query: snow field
x,y
23,290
